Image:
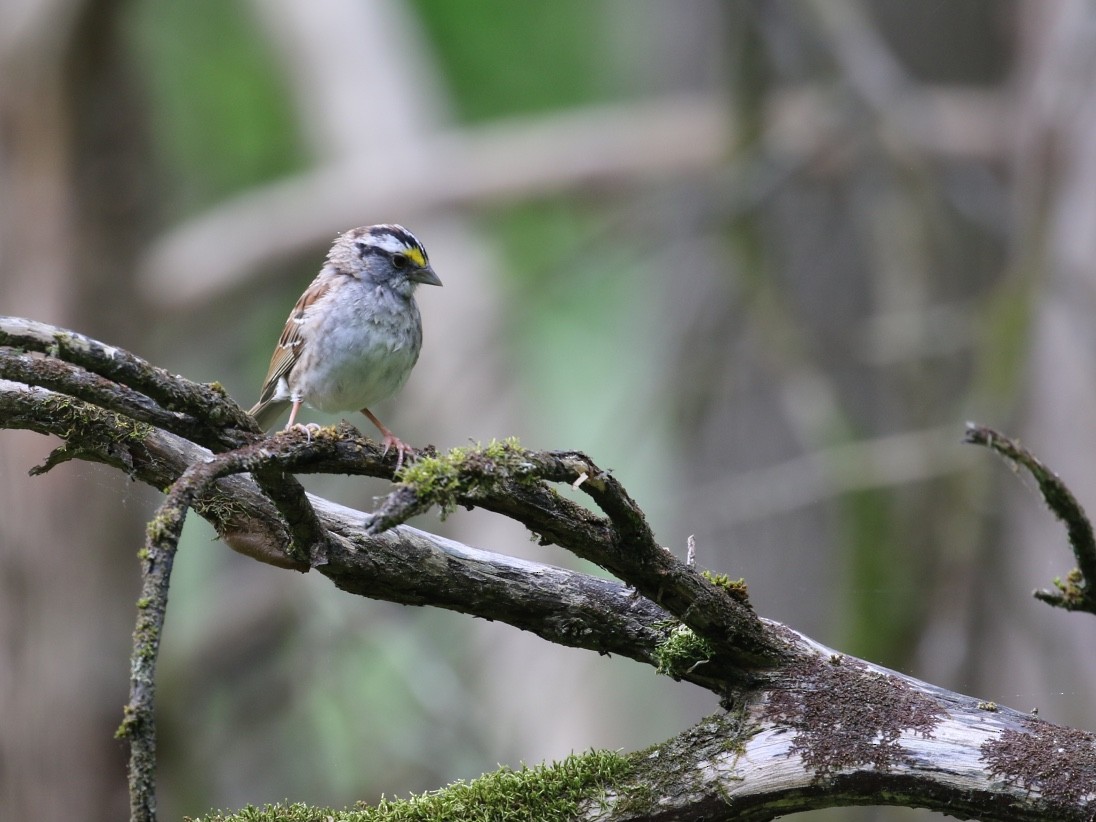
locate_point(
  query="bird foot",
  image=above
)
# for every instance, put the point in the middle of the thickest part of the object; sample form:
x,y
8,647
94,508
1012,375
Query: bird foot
x,y
309,429
402,449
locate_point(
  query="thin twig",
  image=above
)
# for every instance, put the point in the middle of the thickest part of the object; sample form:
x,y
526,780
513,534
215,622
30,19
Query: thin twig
x,y
1076,592
138,722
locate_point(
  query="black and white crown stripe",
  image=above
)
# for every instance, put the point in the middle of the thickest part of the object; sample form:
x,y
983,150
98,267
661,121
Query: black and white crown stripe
x,y
392,239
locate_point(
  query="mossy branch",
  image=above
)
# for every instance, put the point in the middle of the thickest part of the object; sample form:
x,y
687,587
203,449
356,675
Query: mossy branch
x,y
897,738
266,458
1077,591
403,565
203,413
509,480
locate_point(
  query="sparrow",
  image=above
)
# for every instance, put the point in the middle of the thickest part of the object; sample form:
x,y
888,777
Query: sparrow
x,y
355,333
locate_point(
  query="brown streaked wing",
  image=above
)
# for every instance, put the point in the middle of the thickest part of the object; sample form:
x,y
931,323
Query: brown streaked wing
x,y
288,350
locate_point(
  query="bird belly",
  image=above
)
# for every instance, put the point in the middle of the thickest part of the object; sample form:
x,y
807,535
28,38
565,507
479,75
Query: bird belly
x,y
353,383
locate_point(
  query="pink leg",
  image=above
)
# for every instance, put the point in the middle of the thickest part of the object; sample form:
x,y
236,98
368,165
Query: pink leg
x,y
293,414
308,428
390,440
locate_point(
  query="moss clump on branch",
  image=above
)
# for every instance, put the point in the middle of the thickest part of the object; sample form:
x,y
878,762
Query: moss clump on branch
x,y
465,471
737,588
542,793
681,651
1072,589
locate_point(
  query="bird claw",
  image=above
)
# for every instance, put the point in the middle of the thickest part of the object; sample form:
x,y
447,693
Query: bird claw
x,y
392,441
309,429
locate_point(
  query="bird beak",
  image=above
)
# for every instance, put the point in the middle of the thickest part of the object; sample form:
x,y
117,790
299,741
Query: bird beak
x,y
426,276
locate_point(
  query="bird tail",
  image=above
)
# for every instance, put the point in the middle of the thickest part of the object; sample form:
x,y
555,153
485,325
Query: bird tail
x,y
266,412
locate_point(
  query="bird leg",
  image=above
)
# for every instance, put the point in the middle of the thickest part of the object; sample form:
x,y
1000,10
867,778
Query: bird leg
x,y
390,440
293,413
308,429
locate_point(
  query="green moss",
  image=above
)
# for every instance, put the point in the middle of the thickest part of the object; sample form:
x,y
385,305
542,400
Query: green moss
x,y
83,418
132,430
641,799
652,776
682,651
159,527
467,471
737,728
125,728
1072,589
542,793
146,637
737,588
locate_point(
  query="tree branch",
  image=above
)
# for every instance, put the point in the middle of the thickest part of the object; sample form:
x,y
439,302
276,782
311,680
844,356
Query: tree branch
x,y
1076,592
806,728
509,480
201,411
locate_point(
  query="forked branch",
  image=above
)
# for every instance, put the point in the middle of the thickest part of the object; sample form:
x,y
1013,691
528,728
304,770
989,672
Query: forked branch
x,y
807,727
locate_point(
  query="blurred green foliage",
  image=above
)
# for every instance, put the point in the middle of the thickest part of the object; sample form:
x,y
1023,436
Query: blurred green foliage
x,y
501,58
218,107
879,599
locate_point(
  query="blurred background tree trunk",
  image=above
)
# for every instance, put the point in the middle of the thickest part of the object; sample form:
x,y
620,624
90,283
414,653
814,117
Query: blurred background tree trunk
x,y
1045,658
74,209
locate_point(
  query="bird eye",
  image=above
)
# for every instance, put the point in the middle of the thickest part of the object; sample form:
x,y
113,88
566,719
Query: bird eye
x,y
399,260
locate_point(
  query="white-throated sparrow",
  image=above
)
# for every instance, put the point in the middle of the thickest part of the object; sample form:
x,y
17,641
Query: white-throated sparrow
x,y
354,335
